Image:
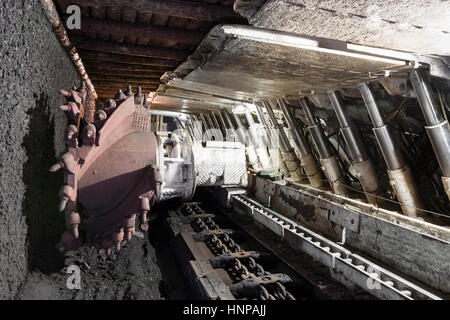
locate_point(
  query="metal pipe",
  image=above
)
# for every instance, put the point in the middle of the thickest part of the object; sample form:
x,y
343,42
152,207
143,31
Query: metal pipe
x,y
252,157
322,145
400,174
249,117
240,131
220,124
437,127
433,116
197,127
285,146
251,126
270,141
211,131
261,117
228,126
205,124
307,159
328,159
191,128
276,151
260,147
371,105
214,130
365,170
222,121
357,151
161,122
298,138
287,152
228,120
61,33
214,119
210,122
391,153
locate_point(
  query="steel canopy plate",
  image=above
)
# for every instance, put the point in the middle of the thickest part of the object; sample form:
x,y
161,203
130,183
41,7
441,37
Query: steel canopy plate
x,y
250,62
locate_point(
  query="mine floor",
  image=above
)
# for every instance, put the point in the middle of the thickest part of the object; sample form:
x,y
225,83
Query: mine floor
x,y
147,268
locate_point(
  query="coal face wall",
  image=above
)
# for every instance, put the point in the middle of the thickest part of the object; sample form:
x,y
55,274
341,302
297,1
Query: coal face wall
x,y
33,67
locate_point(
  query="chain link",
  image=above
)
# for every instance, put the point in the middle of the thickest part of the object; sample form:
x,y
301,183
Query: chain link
x,y
227,245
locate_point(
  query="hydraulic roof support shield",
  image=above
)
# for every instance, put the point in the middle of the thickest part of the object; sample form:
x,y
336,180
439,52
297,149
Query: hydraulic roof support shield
x,y
437,127
328,159
400,174
364,168
306,157
260,147
252,157
287,152
270,140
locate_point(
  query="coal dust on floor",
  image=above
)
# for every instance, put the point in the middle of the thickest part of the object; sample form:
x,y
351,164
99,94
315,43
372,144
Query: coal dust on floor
x,y
141,270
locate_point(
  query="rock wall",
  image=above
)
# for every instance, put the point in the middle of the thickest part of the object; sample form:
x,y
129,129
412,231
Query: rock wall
x,y
33,67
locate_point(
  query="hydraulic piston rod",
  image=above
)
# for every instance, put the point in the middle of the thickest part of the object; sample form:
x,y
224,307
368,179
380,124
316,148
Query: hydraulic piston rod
x,y
218,125
209,133
260,147
231,133
205,123
365,170
287,152
214,131
437,127
197,128
400,174
262,120
252,157
307,159
270,141
328,159
222,121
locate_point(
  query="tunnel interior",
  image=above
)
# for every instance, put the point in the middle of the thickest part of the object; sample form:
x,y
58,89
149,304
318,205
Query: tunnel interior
x,y
148,143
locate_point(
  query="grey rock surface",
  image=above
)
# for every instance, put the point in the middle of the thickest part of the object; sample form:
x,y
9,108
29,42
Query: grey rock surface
x,y
420,26
33,67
